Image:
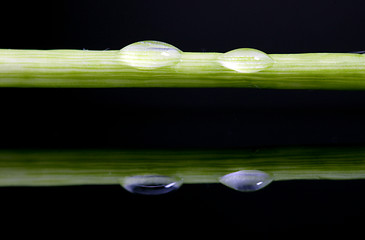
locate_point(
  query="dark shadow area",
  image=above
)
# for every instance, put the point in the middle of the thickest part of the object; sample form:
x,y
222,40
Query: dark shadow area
x,y
272,26
179,118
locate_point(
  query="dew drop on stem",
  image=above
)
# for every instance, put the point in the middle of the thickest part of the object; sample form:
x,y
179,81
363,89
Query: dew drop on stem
x,y
147,55
246,60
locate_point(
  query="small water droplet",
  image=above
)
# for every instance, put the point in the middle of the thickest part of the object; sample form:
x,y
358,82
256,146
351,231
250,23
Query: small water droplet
x,y
246,60
150,55
246,180
151,184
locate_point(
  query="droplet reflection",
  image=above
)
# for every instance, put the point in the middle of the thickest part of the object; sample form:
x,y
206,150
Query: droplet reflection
x,y
151,184
246,180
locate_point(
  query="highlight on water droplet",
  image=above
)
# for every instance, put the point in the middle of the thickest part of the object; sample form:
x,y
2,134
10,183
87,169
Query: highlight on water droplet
x,y
246,60
151,184
246,180
150,55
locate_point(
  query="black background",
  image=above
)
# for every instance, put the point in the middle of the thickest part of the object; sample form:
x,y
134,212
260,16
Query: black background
x,y
184,118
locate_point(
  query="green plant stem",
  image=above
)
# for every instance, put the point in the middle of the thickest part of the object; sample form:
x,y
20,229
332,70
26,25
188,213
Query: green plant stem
x,y
104,69
75,167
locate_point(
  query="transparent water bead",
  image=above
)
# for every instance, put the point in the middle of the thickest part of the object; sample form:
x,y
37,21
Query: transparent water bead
x,y
246,60
246,180
151,184
150,55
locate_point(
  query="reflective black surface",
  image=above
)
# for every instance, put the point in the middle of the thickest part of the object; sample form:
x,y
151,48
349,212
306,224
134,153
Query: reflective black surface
x,y
179,118
298,207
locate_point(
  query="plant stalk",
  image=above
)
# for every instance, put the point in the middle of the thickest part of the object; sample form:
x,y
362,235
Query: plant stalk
x,y
105,69
78,167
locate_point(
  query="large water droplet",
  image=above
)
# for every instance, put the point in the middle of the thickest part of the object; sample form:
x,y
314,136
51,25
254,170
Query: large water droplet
x,y
151,184
246,180
150,54
246,60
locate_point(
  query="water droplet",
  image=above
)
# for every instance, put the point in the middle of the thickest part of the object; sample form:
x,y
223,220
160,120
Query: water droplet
x,y
246,60
246,180
357,52
151,184
150,55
